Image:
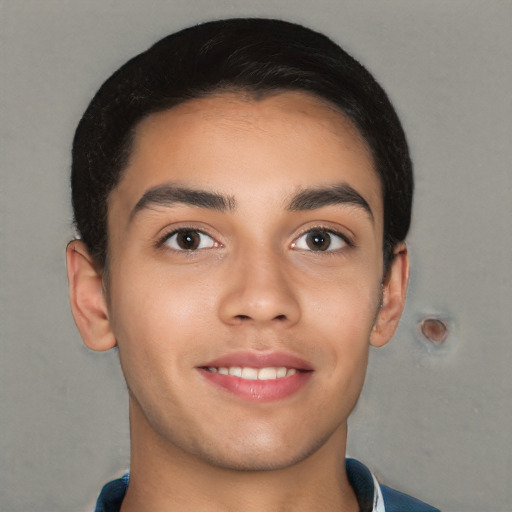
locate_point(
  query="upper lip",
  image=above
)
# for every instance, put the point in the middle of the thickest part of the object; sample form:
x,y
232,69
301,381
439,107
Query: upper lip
x,y
253,359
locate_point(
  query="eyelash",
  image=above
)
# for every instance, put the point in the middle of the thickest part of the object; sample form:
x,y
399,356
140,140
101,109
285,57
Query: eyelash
x,y
165,239
346,240
323,229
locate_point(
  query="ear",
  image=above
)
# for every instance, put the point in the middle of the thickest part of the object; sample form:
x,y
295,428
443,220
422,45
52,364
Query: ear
x,y
394,291
87,298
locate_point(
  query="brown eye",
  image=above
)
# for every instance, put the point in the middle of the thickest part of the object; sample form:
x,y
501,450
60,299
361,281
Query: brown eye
x,y
189,240
319,240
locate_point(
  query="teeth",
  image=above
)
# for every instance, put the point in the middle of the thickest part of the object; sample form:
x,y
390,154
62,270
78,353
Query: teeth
x,y
281,372
249,373
270,373
267,374
235,370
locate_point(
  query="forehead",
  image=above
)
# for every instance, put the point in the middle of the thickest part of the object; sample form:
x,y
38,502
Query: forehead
x,y
237,144
246,110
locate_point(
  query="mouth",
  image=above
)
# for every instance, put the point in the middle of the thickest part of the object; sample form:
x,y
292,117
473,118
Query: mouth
x,y
248,373
258,376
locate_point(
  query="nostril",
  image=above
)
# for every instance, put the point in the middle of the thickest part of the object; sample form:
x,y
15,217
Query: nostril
x,y
242,317
280,317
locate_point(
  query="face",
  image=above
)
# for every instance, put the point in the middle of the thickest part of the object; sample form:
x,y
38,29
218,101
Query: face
x,y
245,277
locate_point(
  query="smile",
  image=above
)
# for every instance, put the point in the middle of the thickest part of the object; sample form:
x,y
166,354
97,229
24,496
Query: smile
x,y
248,373
258,376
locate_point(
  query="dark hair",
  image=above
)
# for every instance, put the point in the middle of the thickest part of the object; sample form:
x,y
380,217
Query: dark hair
x,y
259,56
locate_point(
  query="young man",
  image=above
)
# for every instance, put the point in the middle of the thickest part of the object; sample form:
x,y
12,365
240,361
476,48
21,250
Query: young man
x,y
242,192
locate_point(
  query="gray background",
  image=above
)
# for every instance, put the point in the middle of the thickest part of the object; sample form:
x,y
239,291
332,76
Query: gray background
x,y
434,421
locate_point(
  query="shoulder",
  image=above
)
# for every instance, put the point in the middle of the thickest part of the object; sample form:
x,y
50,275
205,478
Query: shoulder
x,y
396,501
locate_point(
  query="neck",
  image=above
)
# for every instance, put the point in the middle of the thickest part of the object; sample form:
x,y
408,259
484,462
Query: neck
x,y
164,477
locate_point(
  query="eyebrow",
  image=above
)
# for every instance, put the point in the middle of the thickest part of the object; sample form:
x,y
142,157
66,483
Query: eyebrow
x,y
342,193
169,195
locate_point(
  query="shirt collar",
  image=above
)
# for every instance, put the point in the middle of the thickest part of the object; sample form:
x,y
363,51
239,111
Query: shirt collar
x,y
364,483
366,487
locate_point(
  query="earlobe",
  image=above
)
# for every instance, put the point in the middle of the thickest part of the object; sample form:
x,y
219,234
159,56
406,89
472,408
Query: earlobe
x,y
394,291
87,298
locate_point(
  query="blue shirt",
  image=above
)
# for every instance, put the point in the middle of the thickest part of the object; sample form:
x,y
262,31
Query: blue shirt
x,y
371,496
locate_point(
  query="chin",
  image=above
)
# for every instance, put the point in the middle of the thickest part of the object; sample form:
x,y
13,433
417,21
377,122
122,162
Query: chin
x,y
247,463
263,456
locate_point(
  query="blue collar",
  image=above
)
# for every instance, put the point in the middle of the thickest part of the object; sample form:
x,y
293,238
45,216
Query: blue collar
x,y
368,492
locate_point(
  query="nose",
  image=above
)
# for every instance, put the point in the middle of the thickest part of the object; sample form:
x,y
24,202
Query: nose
x,y
259,291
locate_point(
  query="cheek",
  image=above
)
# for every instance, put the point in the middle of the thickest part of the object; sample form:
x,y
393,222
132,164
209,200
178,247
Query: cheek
x,y
149,292
346,299
345,329
343,312
155,316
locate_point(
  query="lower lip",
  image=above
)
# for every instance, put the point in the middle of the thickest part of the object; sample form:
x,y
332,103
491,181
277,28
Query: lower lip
x,y
258,390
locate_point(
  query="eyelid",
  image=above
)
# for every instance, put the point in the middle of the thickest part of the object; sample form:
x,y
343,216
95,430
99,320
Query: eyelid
x,y
347,241
168,235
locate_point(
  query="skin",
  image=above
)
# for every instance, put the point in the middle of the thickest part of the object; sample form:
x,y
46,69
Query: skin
x,y
253,285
